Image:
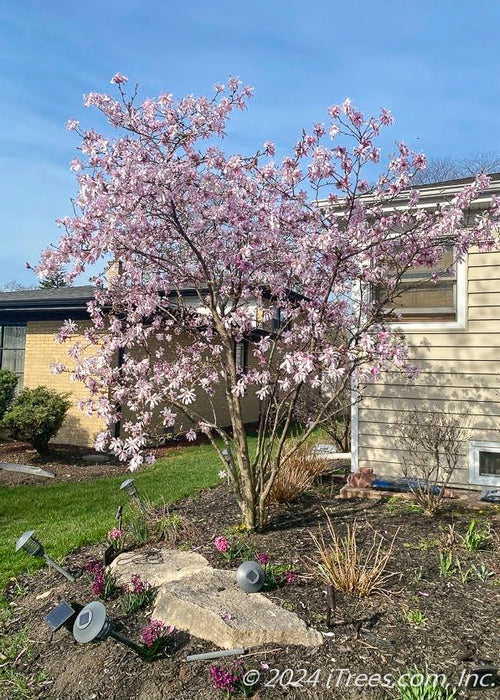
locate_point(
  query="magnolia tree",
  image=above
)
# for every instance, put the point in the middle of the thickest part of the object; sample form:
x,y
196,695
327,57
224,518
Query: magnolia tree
x,y
310,235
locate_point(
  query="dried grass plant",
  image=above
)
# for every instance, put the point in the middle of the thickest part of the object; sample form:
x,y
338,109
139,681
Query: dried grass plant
x,y
296,475
349,567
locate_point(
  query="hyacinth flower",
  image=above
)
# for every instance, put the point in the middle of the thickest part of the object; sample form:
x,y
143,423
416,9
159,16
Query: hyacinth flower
x,y
116,539
276,574
138,594
233,548
155,636
103,582
229,680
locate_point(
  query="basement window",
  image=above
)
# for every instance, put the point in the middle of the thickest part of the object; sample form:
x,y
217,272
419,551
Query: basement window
x,y
12,346
484,463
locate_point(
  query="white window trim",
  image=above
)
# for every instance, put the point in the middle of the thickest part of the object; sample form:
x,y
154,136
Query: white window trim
x,y
475,447
461,320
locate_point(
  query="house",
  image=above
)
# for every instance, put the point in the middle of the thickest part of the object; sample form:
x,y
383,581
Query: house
x,y
29,321
453,331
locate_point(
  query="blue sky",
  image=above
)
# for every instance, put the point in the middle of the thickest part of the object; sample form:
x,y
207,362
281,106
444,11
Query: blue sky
x,y
434,64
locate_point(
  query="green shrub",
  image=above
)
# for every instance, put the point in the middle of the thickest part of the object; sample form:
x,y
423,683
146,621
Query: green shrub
x,y
36,415
8,383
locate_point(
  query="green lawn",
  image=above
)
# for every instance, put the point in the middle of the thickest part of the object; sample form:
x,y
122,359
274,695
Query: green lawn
x,y
66,516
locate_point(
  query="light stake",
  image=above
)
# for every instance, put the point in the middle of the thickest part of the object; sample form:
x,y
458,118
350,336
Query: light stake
x,y
93,625
30,544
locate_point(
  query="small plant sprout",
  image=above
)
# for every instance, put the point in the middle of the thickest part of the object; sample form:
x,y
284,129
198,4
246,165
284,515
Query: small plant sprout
x,y
478,536
32,546
481,572
417,685
446,567
415,617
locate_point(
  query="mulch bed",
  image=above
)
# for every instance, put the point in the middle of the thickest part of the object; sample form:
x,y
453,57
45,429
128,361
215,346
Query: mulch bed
x,y
367,636
65,462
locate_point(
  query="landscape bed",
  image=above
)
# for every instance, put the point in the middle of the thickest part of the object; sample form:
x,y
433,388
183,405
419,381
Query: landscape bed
x,y
428,617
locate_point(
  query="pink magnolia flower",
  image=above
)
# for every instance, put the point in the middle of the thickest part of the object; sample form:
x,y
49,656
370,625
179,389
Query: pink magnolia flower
x,y
119,79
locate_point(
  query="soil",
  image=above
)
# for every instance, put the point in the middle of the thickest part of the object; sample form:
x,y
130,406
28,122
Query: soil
x,y
367,636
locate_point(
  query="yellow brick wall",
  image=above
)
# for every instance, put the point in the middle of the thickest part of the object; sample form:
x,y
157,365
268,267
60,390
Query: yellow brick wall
x,y
79,429
41,350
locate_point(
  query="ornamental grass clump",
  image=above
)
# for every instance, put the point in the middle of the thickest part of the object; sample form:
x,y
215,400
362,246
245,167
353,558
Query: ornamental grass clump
x,y
296,474
350,568
138,594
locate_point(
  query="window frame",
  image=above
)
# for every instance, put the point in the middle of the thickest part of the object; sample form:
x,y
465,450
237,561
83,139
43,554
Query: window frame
x,y
475,476
429,324
243,344
20,375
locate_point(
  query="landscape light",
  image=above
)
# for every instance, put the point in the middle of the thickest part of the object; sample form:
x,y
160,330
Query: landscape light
x,y
93,625
129,487
63,614
31,545
250,576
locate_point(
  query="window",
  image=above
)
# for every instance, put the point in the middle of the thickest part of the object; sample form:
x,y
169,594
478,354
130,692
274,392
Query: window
x,y
240,356
421,301
269,319
484,463
12,344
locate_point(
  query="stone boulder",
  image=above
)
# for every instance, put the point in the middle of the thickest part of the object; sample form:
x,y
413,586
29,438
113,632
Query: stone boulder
x,y
209,605
158,566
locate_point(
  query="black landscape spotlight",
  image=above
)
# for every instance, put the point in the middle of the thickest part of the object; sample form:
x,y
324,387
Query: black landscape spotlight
x,y
130,488
250,576
30,544
93,625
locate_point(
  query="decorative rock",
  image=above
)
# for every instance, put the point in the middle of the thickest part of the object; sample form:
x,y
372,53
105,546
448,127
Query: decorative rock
x,y
95,458
209,605
26,469
158,566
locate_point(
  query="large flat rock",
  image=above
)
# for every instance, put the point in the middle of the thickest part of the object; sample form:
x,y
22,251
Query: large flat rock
x,y
208,604
158,566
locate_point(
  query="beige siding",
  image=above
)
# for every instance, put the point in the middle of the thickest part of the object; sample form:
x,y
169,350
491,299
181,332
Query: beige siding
x,y
460,373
